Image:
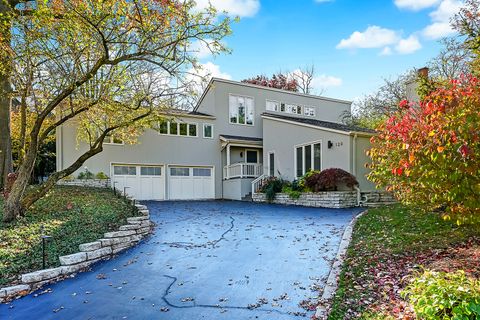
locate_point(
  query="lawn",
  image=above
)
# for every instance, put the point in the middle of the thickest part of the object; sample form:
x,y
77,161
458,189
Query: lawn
x,y
71,215
391,243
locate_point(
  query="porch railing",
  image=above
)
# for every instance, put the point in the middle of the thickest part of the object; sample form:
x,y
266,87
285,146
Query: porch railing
x,y
257,183
243,170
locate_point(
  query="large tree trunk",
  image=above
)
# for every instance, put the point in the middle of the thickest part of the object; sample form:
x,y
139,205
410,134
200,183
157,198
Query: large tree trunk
x,y
6,165
14,205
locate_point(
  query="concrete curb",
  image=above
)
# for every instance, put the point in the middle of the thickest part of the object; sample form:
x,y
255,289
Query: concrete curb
x,y
332,281
138,227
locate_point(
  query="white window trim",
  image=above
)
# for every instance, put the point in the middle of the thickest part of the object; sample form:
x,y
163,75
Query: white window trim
x,y
302,107
188,129
303,156
178,130
113,143
258,155
274,162
309,115
211,125
241,124
274,101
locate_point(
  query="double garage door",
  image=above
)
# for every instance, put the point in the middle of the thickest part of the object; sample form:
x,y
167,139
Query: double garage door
x,y
164,182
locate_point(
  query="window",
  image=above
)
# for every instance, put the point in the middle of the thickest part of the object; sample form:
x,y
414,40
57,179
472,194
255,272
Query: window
x,y
252,156
192,130
309,111
241,110
299,161
150,171
207,130
179,172
271,164
173,128
202,172
183,129
290,108
112,139
308,157
317,153
125,170
163,127
272,106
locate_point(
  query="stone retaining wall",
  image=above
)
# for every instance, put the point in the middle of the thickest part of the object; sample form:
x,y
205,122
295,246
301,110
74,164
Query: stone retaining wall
x,y
330,199
96,183
337,199
112,243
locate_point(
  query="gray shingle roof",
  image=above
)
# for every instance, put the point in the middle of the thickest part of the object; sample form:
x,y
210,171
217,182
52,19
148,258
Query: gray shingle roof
x,y
320,123
230,137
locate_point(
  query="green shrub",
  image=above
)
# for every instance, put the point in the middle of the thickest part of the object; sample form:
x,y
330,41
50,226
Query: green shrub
x,y
441,295
291,192
85,175
101,176
271,186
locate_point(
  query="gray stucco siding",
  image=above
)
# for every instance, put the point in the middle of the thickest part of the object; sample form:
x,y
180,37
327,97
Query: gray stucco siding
x,y
327,110
282,139
151,148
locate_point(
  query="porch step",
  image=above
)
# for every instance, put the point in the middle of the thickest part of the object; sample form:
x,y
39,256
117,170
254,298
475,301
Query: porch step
x,y
247,197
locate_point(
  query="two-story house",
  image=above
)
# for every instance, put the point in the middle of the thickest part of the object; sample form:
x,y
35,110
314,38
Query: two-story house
x,y
237,133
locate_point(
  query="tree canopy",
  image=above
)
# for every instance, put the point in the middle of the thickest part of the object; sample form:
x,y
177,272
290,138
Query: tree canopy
x,y
111,66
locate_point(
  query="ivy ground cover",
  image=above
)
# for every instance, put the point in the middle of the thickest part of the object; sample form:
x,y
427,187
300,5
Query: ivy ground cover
x,y
70,215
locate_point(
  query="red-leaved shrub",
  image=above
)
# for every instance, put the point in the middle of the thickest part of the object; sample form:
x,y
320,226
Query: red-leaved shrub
x,y
330,180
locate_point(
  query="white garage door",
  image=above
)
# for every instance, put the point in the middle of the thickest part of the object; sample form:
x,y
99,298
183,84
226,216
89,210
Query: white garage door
x,y
141,182
190,183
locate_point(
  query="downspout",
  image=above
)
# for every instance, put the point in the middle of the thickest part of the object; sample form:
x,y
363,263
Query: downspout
x,y
355,155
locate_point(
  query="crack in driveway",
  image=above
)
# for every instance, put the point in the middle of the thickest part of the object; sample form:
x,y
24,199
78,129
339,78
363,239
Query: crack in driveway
x,y
191,245
214,306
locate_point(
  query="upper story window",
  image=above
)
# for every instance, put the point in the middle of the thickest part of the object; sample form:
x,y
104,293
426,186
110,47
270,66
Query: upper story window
x,y
207,130
175,129
241,110
112,139
309,111
273,105
289,108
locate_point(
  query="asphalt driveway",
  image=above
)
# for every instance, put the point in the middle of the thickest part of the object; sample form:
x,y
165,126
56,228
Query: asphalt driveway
x,y
206,260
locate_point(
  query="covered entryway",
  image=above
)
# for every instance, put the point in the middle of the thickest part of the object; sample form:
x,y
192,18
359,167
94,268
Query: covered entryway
x,y
143,182
191,183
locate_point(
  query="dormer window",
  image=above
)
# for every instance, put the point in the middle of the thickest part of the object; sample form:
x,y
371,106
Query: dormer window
x,y
241,110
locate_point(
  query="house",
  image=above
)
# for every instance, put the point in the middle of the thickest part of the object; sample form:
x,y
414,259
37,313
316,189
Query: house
x,y
237,133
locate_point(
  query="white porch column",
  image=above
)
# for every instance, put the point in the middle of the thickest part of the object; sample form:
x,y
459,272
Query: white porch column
x,y
228,161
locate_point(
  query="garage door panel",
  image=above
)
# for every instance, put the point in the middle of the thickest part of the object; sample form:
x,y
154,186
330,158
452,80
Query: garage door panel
x,y
141,182
190,183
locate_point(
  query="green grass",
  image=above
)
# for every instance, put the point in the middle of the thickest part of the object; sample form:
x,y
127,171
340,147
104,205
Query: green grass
x,y
380,237
71,215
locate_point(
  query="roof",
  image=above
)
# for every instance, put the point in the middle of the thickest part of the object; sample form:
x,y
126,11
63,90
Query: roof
x,y
187,113
321,124
240,138
209,86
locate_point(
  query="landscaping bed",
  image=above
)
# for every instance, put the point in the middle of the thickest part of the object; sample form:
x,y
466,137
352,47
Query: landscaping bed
x,y
390,245
70,215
